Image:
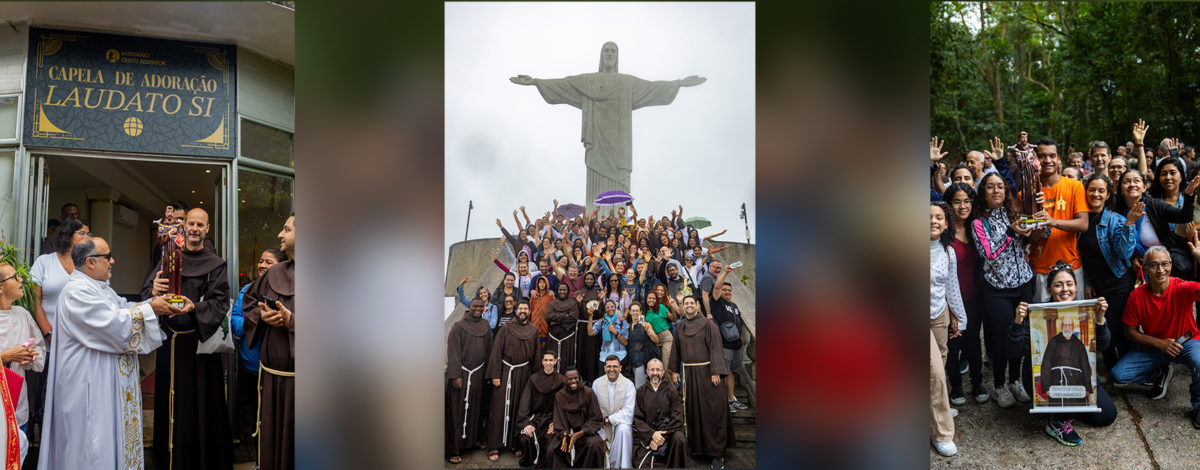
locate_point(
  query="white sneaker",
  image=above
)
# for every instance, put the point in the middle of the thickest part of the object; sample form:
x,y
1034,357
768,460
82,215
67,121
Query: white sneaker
x,y
1018,391
1004,398
946,448
953,412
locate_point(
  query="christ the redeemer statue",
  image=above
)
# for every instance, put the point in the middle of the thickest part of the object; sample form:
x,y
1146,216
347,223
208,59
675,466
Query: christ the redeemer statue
x,y
607,99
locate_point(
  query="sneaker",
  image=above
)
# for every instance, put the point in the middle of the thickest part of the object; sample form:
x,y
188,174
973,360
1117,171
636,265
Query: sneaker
x,y
953,412
981,395
1196,417
732,409
946,448
1164,381
1063,432
957,399
734,403
718,463
1018,391
1004,397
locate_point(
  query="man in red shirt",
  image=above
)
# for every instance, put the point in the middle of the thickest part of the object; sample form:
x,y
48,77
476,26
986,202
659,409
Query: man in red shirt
x,y
1163,309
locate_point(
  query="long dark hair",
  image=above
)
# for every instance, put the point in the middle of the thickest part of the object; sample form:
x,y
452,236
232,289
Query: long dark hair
x,y
979,205
965,189
1156,188
1119,205
948,234
1108,203
66,231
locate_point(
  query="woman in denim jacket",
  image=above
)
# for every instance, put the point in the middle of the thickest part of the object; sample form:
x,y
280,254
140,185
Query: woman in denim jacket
x,y
1105,249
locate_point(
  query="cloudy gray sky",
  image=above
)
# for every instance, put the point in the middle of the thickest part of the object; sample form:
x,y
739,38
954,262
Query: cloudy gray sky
x,y
505,146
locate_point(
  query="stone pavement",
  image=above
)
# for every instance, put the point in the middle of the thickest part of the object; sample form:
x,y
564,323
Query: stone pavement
x,y
1147,434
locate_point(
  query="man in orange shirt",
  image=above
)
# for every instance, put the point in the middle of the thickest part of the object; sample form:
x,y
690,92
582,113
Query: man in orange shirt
x,y
1066,210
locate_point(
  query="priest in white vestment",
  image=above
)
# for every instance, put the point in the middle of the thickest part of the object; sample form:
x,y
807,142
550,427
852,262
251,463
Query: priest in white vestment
x,y
93,413
617,396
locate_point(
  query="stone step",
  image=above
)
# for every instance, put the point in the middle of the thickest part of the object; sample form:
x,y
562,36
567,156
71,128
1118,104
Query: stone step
x,y
743,432
740,418
740,457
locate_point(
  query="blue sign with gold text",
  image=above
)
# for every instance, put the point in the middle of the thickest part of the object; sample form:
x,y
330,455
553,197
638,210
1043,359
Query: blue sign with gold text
x,y
130,94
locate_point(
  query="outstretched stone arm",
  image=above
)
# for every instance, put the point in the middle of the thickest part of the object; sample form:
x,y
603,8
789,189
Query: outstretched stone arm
x,y
522,80
691,80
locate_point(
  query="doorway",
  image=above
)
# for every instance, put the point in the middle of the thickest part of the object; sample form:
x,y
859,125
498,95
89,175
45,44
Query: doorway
x,y
120,197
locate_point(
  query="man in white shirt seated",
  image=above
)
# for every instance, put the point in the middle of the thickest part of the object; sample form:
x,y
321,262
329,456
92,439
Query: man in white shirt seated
x,y
617,396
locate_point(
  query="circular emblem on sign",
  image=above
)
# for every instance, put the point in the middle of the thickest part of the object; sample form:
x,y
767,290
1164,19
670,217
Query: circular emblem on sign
x,y
133,126
112,55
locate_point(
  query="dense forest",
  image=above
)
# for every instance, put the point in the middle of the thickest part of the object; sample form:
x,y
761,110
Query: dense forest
x,y
1074,72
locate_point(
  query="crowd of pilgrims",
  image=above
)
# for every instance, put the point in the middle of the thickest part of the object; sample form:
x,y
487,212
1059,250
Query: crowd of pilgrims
x,y
1118,228
602,338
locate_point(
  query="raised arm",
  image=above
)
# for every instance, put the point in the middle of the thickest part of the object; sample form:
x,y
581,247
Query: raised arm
x,y
715,235
1139,135
720,282
524,214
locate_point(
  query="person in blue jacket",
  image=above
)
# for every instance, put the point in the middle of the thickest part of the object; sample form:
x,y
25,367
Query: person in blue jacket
x,y
248,375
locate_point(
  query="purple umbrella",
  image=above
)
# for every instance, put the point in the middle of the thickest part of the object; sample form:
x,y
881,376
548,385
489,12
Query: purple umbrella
x,y
613,197
570,211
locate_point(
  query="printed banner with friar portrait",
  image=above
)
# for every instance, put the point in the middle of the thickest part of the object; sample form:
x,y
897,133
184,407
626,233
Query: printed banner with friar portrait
x,y
98,91
1063,343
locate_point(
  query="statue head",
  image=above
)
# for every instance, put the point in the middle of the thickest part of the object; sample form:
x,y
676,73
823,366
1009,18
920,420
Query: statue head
x,y
608,57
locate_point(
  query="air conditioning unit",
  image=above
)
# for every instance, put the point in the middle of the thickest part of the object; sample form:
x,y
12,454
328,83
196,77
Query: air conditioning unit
x,y
125,216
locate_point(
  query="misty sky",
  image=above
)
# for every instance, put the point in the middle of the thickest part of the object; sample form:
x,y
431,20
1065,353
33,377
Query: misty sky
x,y
505,146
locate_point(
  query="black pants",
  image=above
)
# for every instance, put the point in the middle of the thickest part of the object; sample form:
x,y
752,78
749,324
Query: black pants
x,y
968,347
1116,295
1001,307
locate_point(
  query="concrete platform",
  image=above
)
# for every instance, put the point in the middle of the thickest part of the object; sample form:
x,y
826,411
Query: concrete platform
x,y
1147,434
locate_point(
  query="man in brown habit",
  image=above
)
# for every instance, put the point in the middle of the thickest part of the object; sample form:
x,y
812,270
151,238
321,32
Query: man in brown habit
x,y
577,419
706,413
658,422
513,351
269,321
192,428
467,347
535,416
562,316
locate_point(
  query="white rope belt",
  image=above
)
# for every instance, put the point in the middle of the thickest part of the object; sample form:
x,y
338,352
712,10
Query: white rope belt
x,y
559,343
507,395
467,396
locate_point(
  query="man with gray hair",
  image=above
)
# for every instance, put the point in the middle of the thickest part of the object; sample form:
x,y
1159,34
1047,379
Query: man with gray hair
x,y
93,403
1162,308
658,422
1099,158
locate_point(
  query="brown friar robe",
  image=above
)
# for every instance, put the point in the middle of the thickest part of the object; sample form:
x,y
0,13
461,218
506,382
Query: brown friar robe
x,y
277,376
467,348
537,410
575,411
513,358
587,346
191,428
562,316
709,425
658,410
